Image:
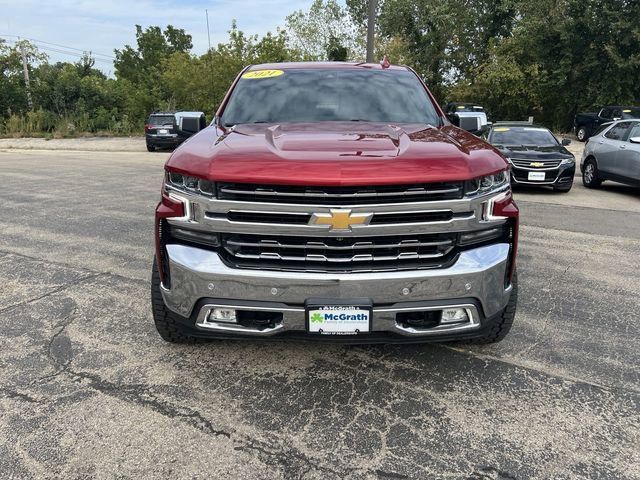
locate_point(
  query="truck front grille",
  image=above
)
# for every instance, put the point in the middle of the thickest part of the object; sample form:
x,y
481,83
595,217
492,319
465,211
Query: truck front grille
x,y
346,254
407,227
340,195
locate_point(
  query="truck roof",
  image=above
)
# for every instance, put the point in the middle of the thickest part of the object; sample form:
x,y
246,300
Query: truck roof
x,y
320,65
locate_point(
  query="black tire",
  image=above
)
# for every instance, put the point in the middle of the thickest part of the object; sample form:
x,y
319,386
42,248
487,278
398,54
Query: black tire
x,y
582,134
167,322
150,148
498,326
590,176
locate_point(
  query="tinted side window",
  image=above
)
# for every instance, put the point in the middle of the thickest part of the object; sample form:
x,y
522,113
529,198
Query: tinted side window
x,y
619,131
617,113
605,113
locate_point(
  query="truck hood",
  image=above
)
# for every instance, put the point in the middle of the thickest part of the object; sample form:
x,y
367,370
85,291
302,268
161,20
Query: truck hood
x,y
336,153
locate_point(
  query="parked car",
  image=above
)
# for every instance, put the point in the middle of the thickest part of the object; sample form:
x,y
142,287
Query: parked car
x,y
468,116
170,129
613,154
587,124
535,155
334,201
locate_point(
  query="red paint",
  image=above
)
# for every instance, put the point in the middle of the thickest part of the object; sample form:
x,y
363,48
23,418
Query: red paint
x,y
166,208
508,208
336,153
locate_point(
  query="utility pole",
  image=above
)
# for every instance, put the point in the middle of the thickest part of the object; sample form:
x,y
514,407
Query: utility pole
x,y
208,32
209,51
371,26
25,69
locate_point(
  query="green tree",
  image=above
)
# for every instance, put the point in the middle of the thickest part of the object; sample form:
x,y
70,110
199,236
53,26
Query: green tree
x,y
316,32
562,56
13,94
141,64
141,67
425,26
200,83
335,51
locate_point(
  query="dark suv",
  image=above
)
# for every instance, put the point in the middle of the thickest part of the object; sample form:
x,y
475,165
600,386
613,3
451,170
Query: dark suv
x,y
535,155
170,129
160,131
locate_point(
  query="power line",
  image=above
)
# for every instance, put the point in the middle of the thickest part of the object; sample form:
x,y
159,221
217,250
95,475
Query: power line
x,y
72,54
77,55
60,46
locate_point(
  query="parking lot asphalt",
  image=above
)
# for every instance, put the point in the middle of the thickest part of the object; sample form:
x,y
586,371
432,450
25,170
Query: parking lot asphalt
x,y
89,390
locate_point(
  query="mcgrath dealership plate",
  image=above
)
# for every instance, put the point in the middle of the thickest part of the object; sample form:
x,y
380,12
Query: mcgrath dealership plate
x,y
338,318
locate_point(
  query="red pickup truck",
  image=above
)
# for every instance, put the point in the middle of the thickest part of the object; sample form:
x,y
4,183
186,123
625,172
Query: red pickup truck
x,y
334,201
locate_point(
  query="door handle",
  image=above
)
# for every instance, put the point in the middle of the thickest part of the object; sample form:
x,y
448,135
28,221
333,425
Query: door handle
x,y
622,147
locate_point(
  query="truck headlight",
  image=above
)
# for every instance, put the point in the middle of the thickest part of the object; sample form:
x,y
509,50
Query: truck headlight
x,y
488,183
189,184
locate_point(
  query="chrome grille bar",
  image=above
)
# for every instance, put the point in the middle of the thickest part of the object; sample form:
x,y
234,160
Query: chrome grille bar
x,y
323,195
321,245
425,250
344,195
354,258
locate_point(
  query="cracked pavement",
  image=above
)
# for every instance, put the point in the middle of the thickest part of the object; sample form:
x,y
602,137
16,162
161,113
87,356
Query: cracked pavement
x,y
89,390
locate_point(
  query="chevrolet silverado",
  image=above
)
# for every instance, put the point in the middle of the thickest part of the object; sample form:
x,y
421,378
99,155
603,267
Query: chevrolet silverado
x,y
334,201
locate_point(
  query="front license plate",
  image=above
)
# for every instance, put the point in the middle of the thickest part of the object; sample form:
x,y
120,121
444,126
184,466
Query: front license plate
x,y
163,131
338,319
536,176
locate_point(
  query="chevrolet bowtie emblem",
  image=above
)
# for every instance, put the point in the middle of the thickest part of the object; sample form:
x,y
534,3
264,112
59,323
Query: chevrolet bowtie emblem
x,y
340,219
536,164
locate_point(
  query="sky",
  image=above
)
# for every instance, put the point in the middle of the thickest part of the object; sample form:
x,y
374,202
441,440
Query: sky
x,y
102,26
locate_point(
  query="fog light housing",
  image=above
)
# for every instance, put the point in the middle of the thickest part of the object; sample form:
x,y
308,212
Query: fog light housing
x,y
454,315
222,315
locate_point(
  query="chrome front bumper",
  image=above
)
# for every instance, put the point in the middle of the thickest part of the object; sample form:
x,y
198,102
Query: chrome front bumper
x,y
200,279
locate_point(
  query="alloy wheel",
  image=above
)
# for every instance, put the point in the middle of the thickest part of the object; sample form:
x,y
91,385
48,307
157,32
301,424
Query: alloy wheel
x,y
588,173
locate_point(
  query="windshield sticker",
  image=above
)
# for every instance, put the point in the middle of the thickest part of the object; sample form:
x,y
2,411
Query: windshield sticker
x,y
263,74
501,129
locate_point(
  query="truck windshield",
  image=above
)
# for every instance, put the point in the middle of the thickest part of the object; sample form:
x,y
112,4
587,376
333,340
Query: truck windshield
x,y
319,95
539,137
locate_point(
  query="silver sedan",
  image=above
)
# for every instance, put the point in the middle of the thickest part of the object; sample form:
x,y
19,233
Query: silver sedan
x,y
613,154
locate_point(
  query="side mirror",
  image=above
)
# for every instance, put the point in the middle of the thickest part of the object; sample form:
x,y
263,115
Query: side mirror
x,y
191,123
615,119
470,124
565,142
634,139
